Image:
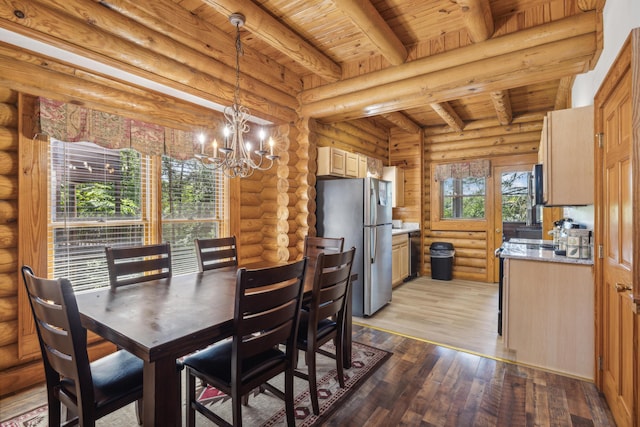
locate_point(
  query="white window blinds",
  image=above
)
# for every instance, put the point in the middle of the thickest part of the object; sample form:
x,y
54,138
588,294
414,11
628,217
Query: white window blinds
x,y
98,197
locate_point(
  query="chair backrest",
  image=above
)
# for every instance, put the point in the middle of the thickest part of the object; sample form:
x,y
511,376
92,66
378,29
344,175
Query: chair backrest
x,y
136,264
330,286
63,340
267,308
216,253
315,245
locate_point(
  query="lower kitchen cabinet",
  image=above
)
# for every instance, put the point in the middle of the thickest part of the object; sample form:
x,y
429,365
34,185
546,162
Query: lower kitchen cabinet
x,y
549,315
399,258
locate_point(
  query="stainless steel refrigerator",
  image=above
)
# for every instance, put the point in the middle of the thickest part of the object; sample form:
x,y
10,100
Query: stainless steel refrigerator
x,y
360,211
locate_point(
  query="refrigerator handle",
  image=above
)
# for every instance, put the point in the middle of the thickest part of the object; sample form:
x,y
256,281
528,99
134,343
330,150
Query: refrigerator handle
x,y
374,243
373,206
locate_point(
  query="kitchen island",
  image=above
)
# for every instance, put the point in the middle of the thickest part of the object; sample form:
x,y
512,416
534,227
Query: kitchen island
x,y
548,309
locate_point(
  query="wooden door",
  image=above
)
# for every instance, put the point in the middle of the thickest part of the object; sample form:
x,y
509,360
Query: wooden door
x,y
618,319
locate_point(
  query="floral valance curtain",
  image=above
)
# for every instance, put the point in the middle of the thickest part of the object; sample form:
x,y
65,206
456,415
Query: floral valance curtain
x,y
74,123
475,168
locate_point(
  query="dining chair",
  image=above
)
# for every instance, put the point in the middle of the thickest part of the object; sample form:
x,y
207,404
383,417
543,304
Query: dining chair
x,y
89,391
266,312
324,318
216,253
313,245
136,264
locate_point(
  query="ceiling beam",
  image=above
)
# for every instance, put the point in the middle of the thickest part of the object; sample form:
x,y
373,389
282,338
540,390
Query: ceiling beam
x,y
478,19
563,95
402,121
502,105
448,114
374,27
538,54
529,66
583,23
271,31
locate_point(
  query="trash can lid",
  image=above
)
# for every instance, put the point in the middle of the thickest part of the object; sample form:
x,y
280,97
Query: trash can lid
x,y
441,246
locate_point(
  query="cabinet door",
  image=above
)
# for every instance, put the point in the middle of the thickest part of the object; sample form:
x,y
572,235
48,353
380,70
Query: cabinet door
x,y
404,260
331,161
569,157
351,165
363,166
395,265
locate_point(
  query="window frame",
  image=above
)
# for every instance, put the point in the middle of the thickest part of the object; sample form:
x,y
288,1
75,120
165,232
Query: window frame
x,y
442,224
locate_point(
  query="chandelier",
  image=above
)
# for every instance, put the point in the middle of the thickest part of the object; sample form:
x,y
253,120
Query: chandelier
x,y
236,158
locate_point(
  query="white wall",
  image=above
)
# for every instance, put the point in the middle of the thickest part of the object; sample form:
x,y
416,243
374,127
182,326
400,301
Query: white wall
x,y
619,18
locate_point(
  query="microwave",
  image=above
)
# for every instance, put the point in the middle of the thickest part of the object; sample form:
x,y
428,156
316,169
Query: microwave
x,y
536,185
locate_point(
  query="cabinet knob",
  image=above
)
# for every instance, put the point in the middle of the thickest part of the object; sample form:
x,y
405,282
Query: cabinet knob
x,y
498,230
620,287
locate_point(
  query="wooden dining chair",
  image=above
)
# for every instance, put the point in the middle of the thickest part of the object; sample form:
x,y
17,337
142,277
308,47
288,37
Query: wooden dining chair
x,y
266,314
216,253
136,264
324,317
313,245
89,391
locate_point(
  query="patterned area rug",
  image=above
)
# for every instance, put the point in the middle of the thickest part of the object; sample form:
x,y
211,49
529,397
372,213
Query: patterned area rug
x,y
264,409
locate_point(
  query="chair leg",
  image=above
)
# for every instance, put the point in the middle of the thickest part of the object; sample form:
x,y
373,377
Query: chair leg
x,y
236,410
313,386
54,411
139,411
340,359
191,397
288,397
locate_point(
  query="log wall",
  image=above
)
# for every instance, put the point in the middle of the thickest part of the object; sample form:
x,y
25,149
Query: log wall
x,y
514,144
8,228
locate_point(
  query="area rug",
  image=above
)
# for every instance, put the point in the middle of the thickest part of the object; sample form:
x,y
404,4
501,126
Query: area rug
x,y
263,409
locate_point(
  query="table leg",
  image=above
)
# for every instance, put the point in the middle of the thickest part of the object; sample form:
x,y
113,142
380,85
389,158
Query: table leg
x,y
162,393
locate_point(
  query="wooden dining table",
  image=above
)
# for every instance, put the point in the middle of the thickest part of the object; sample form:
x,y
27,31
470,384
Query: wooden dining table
x,y
162,320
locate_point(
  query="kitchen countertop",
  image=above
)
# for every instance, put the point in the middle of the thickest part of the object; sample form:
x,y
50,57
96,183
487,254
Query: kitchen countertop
x,y
530,249
407,227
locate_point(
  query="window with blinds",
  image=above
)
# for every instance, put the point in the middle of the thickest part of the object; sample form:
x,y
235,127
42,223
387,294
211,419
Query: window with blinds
x,y
193,206
105,197
99,197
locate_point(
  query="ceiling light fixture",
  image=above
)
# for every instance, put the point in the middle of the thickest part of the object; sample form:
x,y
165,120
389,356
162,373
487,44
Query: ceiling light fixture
x,y
236,158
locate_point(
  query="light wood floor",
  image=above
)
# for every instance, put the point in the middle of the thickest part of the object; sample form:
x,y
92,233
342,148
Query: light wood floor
x,y
458,313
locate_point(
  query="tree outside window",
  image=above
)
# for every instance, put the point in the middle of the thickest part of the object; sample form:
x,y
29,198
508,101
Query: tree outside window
x,y
463,198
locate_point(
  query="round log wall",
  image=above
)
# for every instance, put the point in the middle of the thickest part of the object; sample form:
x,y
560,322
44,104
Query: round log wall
x,y
9,280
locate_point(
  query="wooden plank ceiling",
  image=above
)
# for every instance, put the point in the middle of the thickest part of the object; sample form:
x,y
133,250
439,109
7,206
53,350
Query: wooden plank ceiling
x,y
408,63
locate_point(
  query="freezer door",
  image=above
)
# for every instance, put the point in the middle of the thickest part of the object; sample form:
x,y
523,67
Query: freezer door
x,y
377,267
377,202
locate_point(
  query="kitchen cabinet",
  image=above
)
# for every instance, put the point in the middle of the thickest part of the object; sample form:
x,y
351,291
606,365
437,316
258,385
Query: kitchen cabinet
x,y
351,165
363,166
548,315
567,157
331,161
399,258
396,176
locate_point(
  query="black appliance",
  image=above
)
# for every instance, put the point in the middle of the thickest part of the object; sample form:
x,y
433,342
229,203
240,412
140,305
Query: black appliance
x,y
498,252
537,178
414,255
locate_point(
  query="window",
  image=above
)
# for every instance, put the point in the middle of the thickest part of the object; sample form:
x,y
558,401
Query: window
x,y
515,196
192,207
463,198
106,197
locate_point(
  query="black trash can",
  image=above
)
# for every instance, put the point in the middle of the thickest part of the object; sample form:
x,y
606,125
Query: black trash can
x,y
441,260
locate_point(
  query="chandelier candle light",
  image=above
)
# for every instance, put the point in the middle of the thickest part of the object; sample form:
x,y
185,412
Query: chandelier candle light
x,y
236,158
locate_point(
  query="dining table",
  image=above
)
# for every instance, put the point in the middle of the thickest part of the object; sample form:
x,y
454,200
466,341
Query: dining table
x,y
162,320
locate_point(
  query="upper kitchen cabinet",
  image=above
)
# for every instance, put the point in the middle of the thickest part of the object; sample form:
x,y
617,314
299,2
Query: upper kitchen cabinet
x,y
396,176
339,163
566,154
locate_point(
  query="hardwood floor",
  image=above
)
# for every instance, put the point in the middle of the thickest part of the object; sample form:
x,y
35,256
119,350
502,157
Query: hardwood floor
x,y
458,313
427,385
423,384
